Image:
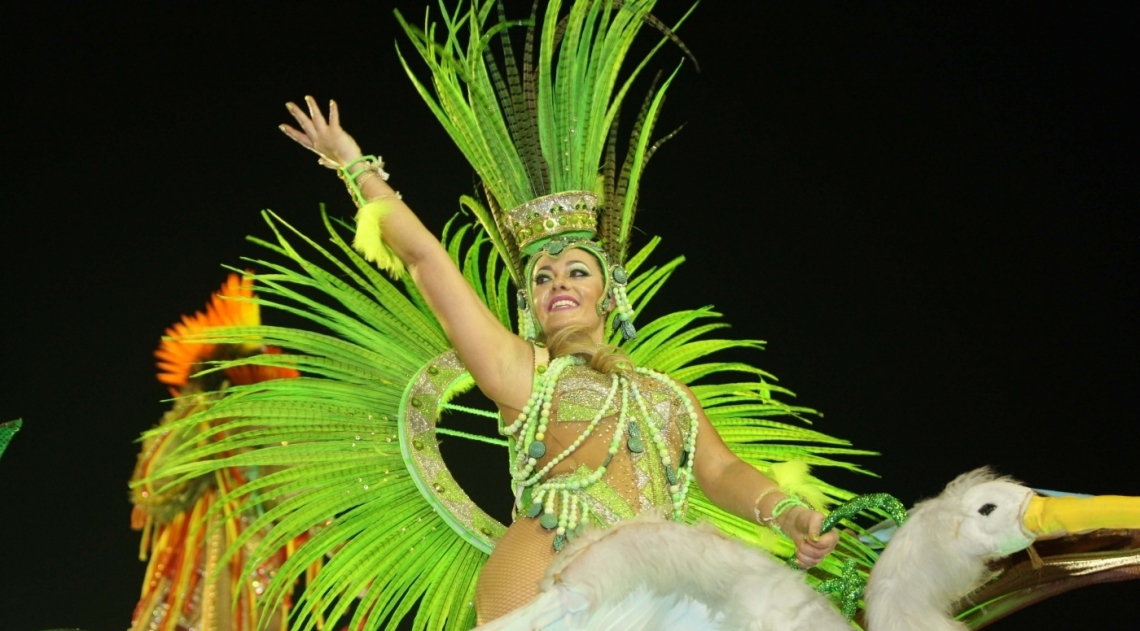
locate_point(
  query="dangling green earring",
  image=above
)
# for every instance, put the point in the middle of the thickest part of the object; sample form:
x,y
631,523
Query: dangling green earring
x,y
527,328
624,318
605,304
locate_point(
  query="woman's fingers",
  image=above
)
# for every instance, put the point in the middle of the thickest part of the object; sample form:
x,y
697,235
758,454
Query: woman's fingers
x,y
824,545
808,560
325,138
811,554
808,557
815,524
299,137
813,546
820,542
315,113
302,120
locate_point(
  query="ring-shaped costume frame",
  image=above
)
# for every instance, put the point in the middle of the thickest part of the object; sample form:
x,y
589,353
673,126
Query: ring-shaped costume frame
x,y
439,380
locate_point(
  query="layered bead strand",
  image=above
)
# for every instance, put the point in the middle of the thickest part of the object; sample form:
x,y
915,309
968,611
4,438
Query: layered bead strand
x,y
526,478
679,477
559,502
529,428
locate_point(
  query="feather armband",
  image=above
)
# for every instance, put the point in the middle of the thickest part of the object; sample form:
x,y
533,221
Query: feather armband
x,y
794,478
368,241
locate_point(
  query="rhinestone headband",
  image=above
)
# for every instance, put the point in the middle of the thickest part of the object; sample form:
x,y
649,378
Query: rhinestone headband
x,y
572,215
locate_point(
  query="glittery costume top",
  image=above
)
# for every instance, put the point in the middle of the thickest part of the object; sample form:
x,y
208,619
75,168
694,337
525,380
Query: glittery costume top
x,y
626,426
581,479
635,480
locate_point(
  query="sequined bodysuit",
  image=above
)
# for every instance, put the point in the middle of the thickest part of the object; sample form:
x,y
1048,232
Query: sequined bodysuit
x,y
633,482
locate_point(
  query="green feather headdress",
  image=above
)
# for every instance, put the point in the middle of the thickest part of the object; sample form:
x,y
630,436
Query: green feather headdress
x,y
536,127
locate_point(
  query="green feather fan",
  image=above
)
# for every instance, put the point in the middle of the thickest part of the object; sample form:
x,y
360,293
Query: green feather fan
x,y
333,456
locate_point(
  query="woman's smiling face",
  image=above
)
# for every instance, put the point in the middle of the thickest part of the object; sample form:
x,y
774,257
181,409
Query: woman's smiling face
x,y
566,290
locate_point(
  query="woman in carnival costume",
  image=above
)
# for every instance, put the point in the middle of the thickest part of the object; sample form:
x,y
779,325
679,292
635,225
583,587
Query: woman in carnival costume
x,y
597,433
594,438
603,420
607,425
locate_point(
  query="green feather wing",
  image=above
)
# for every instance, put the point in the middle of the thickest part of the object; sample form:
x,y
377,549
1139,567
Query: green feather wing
x,y
333,475
328,444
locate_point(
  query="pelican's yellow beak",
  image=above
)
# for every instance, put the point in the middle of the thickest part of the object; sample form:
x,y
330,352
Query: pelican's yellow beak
x,y
1049,517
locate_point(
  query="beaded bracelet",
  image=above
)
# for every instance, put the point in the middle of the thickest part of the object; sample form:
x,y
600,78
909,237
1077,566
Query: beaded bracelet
x,y
373,165
764,521
376,198
781,507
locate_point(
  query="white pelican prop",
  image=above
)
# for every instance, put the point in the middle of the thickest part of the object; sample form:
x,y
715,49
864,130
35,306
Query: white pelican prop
x,y
940,555
650,574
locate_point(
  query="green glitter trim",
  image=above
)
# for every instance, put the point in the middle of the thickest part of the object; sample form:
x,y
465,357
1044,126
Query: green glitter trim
x,y
883,502
847,588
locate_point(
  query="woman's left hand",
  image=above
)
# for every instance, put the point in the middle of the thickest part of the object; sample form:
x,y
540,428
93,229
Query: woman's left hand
x,y
327,139
802,526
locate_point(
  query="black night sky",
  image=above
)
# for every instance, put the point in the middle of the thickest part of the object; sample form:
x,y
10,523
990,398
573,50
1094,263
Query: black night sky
x,y
929,212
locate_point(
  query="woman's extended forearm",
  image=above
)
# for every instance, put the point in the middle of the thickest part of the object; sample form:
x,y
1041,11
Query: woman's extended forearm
x,y
743,491
738,488
400,228
481,340
464,317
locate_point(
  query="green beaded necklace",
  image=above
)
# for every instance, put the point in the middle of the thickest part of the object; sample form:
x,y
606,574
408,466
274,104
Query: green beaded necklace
x,y
562,506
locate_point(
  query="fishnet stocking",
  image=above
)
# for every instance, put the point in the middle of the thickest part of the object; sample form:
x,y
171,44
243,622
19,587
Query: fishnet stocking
x,y
510,578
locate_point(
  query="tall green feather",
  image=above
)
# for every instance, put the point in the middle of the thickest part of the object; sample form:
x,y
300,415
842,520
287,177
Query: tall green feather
x,y
544,131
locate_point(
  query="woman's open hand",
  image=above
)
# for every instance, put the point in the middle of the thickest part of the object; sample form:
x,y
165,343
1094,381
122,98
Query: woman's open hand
x,y
325,138
802,526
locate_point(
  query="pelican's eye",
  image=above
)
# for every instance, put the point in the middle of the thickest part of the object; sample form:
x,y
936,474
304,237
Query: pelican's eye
x,y
986,509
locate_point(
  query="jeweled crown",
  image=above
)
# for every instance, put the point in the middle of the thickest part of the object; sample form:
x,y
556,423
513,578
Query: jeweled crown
x,y
572,215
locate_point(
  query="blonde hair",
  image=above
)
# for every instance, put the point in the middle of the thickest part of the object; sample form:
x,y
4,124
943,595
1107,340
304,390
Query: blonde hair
x,y
574,340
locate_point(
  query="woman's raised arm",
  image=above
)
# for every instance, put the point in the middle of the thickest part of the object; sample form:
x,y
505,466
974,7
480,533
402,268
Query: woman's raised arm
x,y
499,361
